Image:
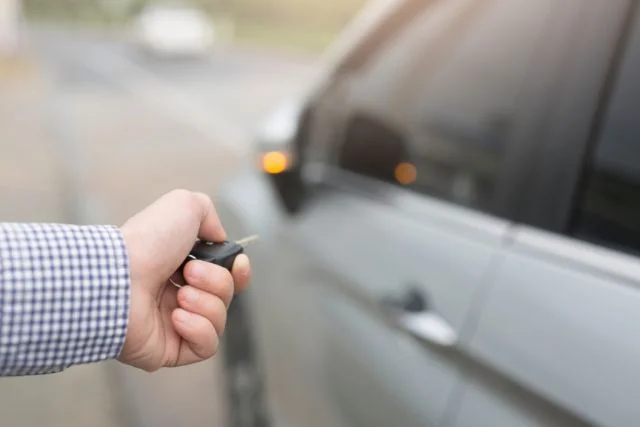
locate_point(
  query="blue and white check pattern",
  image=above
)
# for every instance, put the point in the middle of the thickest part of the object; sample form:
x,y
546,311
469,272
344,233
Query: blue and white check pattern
x,y
64,296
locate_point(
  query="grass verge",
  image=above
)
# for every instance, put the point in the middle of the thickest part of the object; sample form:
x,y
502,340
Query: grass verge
x,y
281,37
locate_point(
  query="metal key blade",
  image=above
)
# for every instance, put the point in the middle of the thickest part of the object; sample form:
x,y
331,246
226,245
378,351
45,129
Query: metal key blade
x,y
247,241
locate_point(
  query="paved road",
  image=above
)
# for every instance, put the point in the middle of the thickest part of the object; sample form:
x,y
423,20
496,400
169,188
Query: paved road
x,y
99,133
231,90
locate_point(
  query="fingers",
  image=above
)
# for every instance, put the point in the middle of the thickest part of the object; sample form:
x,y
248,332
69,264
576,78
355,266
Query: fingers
x,y
210,278
199,334
209,292
210,226
241,272
204,304
217,280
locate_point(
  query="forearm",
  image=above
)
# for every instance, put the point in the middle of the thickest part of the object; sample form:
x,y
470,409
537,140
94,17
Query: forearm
x,y
64,296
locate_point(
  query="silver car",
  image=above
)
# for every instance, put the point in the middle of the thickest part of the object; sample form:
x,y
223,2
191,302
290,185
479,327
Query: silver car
x,y
450,225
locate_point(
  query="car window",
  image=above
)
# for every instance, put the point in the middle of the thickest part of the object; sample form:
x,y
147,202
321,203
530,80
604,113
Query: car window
x,y
434,110
608,208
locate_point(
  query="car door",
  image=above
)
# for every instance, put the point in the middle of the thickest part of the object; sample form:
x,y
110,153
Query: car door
x,y
411,210
558,336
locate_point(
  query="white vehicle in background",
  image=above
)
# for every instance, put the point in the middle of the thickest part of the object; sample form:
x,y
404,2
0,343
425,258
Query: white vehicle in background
x,y
10,14
174,30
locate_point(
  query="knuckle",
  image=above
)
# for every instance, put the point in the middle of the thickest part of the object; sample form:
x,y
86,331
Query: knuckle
x,y
200,204
180,194
191,200
201,342
221,283
203,197
218,315
195,204
202,350
228,288
212,349
227,279
204,200
207,347
223,319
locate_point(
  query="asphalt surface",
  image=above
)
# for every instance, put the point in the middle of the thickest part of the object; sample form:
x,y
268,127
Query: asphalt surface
x,y
91,131
232,88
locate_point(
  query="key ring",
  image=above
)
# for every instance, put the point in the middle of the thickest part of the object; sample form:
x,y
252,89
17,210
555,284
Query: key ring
x,y
173,282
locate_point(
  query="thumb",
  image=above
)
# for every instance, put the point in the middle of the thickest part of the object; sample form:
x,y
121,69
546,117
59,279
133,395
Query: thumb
x,y
210,226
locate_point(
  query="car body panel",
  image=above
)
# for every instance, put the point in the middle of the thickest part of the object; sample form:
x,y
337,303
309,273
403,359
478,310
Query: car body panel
x,y
561,318
248,205
543,322
561,321
365,261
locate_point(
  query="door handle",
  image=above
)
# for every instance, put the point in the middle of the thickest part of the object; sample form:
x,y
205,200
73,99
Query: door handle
x,y
413,314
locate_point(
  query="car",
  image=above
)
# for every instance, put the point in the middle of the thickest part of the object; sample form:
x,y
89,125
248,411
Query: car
x,y
449,225
174,30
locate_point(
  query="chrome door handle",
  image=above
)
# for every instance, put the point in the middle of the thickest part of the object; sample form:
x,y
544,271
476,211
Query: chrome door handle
x,y
429,327
413,315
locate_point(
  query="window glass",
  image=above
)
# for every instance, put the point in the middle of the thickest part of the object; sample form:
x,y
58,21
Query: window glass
x,y
608,208
446,92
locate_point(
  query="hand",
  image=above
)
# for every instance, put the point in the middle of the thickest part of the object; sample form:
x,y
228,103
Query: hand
x,y
168,326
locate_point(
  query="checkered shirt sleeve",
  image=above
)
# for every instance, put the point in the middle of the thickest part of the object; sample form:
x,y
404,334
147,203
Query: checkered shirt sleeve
x,y
64,296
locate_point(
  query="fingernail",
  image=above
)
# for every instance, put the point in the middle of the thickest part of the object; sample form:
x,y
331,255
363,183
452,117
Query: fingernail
x,y
183,316
191,295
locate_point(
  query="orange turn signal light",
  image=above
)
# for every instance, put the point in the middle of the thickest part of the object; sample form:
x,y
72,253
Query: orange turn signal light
x,y
406,173
275,162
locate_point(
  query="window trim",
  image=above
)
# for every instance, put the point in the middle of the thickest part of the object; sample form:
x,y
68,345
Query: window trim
x,y
401,14
630,38
588,85
413,205
632,23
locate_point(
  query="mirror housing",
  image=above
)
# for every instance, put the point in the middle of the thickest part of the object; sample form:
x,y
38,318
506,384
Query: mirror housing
x,y
279,157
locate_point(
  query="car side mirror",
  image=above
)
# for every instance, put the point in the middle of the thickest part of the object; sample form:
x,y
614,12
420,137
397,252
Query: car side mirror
x,y
279,150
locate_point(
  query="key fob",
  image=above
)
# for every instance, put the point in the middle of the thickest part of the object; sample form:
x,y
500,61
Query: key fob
x,y
223,254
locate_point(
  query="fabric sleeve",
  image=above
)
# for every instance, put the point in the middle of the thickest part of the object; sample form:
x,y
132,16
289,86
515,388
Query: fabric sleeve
x,y
64,296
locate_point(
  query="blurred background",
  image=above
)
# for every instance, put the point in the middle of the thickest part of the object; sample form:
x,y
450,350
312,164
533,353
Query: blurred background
x,y
107,104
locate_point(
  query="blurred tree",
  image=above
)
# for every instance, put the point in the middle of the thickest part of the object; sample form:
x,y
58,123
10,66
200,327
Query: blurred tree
x,y
265,18
331,13
115,9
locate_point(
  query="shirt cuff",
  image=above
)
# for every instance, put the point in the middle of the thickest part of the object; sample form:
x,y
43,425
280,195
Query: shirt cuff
x,y
64,296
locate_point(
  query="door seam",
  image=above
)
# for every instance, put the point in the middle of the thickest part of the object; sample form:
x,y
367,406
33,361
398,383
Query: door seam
x,y
486,286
